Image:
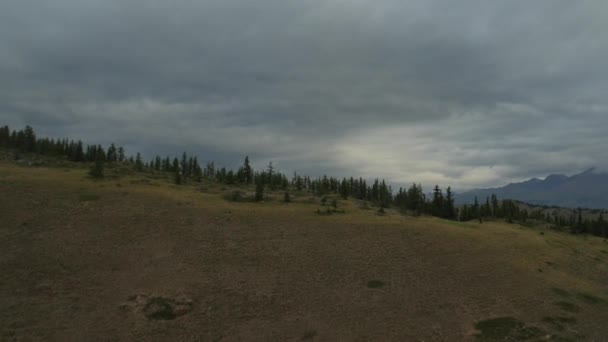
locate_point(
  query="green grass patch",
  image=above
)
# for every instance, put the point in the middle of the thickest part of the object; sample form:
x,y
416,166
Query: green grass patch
x,y
528,224
329,211
559,323
589,298
88,197
560,292
567,306
506,329
466,224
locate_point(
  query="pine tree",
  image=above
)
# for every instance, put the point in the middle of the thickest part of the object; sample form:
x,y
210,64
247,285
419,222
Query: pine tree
x,y
270,173
184,164
487,209
121,154
175,165
29,139
96,170
78,155
5,136
198,172
437,202
248,171
476,212
579,221
112,154
344,190
259,191
449,205
177,177
139,165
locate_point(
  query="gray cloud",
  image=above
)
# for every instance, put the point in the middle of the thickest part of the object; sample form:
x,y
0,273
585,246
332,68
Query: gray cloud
x,y
468,93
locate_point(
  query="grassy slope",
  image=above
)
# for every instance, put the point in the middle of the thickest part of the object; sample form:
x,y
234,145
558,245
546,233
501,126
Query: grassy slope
x,y
73,251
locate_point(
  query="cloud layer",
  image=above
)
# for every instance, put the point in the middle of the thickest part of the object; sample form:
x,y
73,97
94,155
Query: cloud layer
x,y
467,93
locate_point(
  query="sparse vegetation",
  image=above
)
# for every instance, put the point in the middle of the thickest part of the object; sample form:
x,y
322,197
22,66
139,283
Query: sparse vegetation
x,y
567,306
231,256
259,192
559,323
375,284
506,329
187,169
89,197
309,335
96,170
560,292
589,298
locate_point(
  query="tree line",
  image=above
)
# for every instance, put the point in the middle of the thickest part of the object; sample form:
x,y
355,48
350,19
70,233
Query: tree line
x,y
188,169
516,212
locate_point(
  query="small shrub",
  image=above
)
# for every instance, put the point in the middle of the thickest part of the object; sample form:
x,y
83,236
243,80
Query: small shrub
x,y
589,298
375,284
560,292
568,307
89,197
159,309
235,196
259,192
506,329
96,170
559,322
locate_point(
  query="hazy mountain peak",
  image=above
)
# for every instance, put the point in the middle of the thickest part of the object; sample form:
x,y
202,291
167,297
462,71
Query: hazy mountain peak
x,y
586,189
556,177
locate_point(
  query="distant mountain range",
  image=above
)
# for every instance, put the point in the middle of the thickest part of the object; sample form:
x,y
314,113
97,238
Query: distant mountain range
x,y
588,189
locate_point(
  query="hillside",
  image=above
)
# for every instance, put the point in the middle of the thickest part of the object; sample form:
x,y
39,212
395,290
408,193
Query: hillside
x,y
135,257
588,189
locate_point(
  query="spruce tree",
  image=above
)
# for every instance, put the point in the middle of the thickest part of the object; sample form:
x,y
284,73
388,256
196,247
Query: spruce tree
x,y
248,171
96,170
5,136
259,191
270,173
177,177
121,154
449,205
139,164
112,155
184,164
29,139
437,203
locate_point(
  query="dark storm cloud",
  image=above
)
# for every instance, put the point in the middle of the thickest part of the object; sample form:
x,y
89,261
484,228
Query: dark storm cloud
x,y
467,93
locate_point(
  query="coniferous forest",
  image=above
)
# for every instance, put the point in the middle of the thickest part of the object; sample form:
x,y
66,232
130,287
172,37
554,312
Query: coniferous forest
x,y
186,169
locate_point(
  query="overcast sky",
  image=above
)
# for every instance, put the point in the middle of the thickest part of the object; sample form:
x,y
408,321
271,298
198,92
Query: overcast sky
x,y
462,93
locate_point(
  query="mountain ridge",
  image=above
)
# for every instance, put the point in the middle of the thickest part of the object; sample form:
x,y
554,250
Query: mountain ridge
x,y
588,189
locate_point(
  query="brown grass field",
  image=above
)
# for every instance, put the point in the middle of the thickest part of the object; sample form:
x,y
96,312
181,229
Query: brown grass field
x,y
140,259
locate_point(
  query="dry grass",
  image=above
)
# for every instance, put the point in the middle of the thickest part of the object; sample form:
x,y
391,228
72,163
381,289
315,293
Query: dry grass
x,y
75,252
